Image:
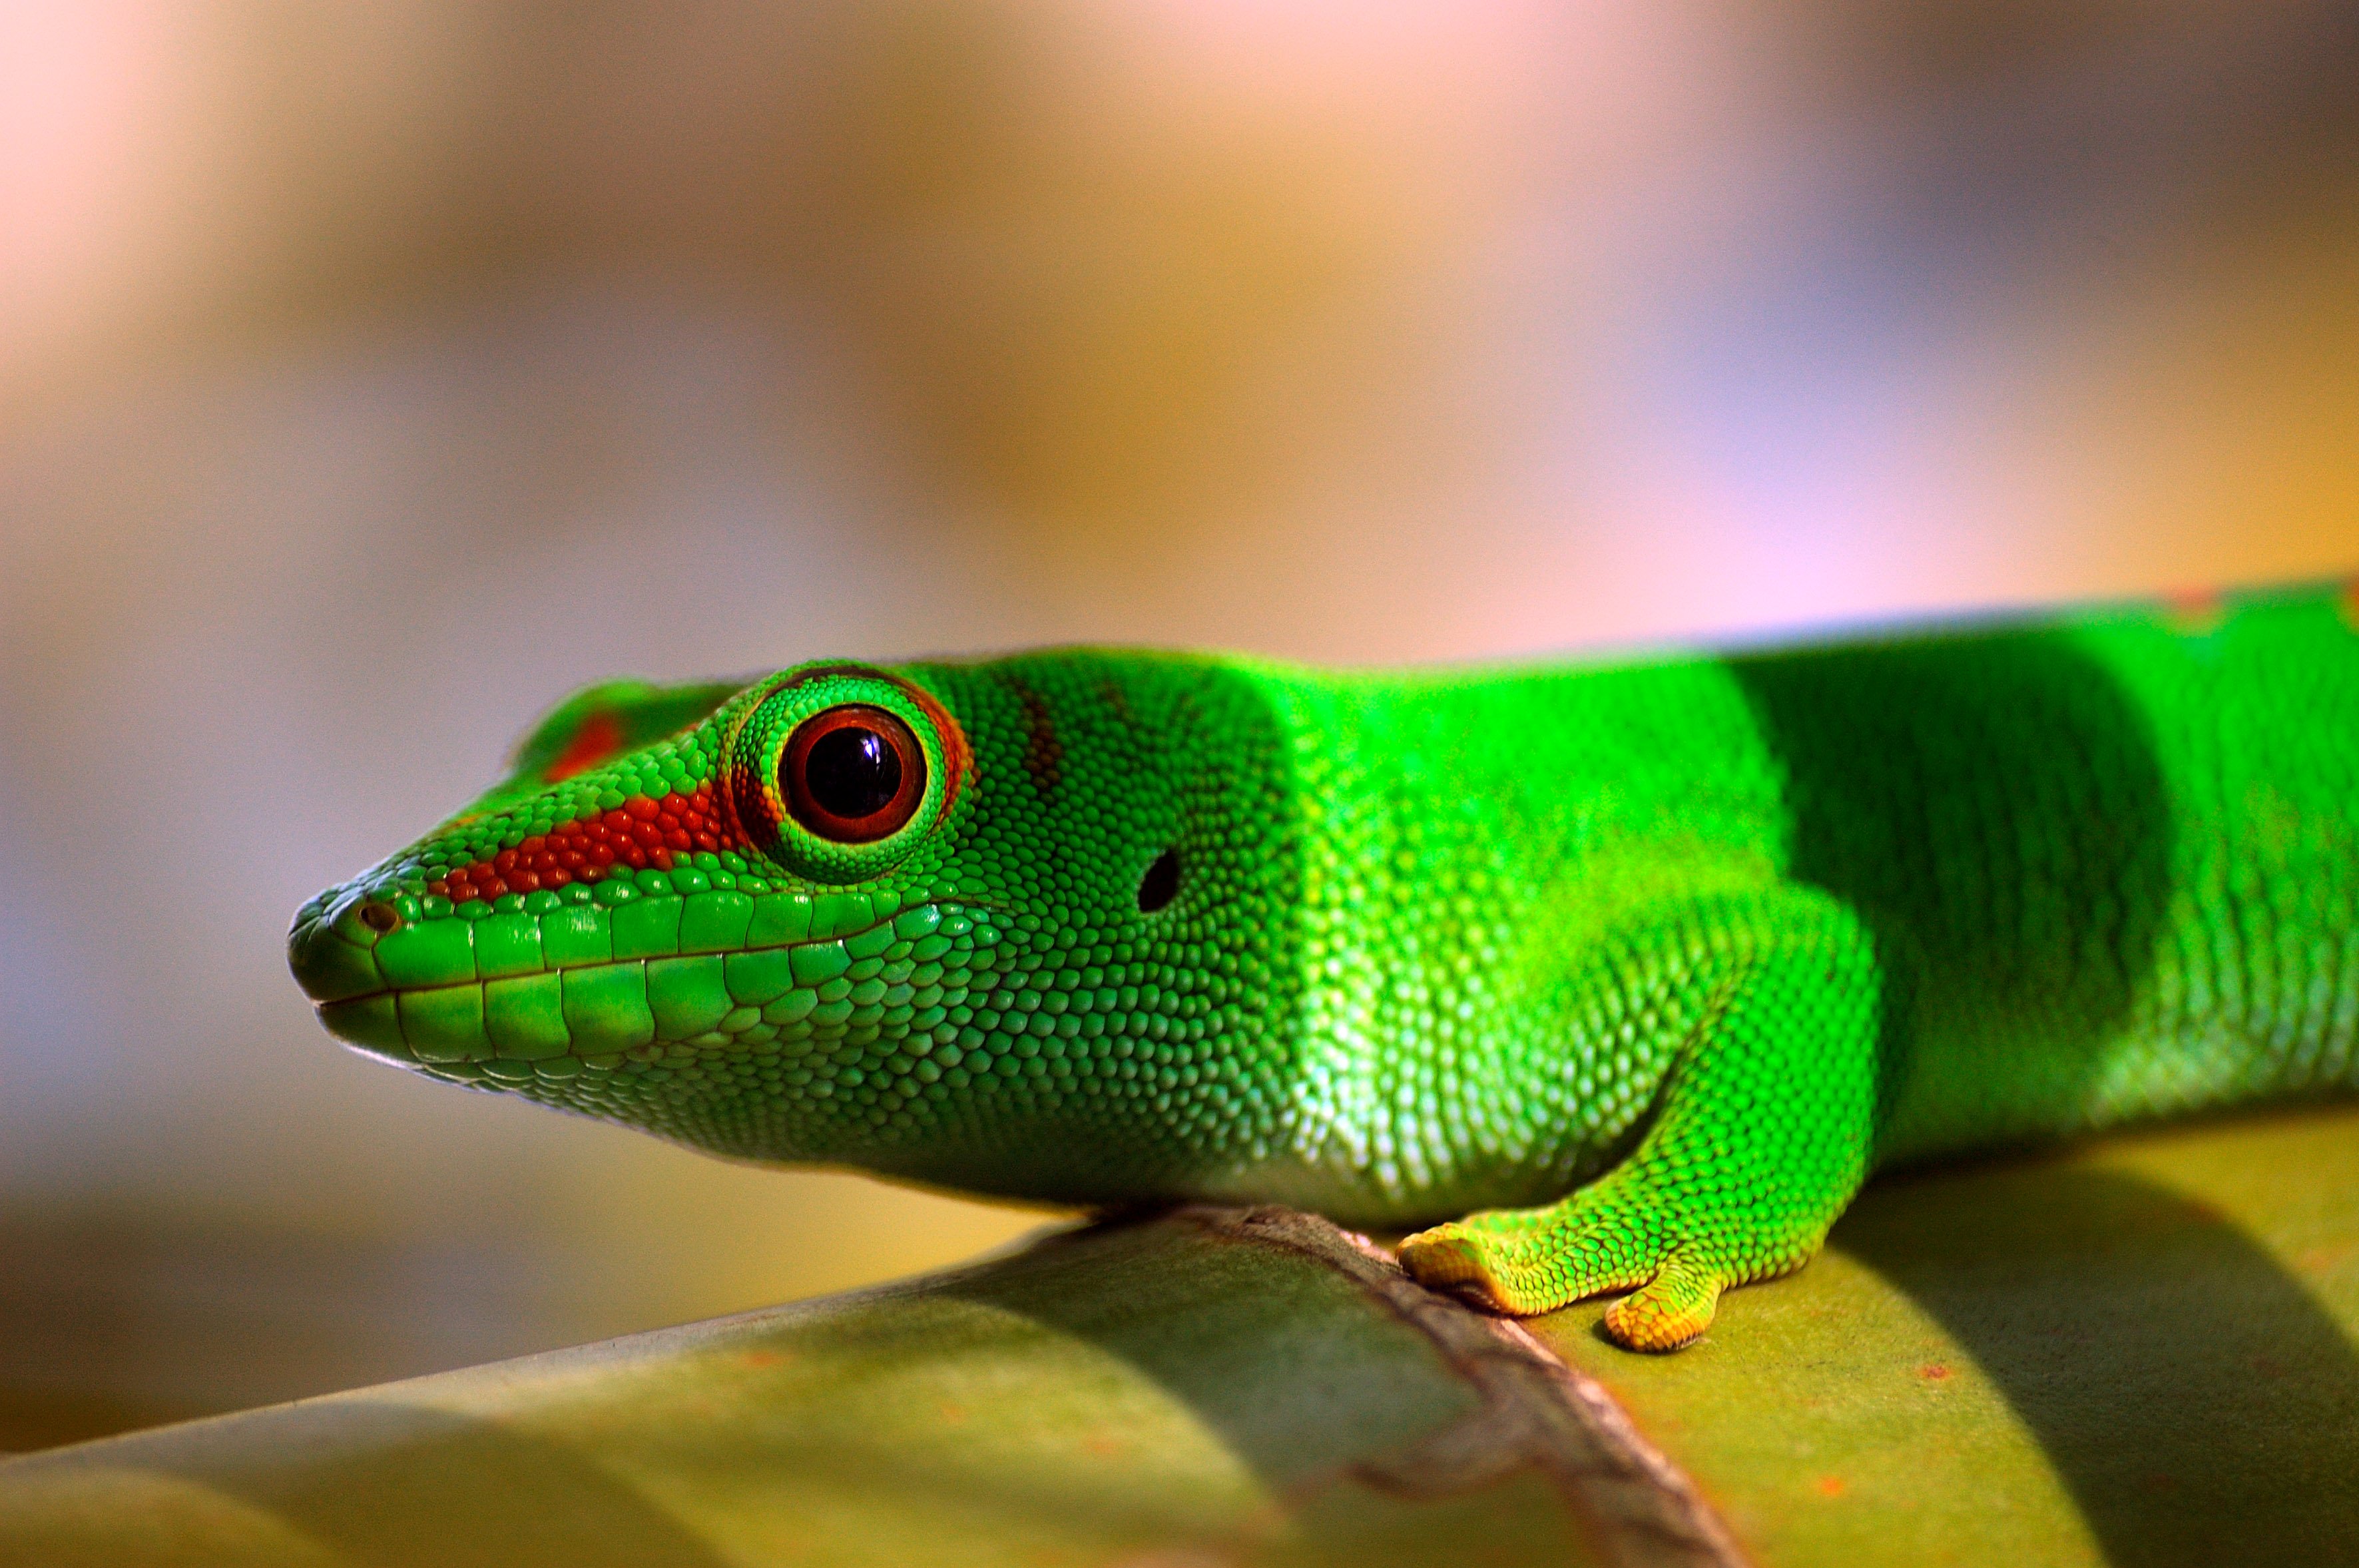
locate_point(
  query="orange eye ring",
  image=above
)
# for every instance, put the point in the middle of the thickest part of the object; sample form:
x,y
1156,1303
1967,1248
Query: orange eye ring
x,y
853,774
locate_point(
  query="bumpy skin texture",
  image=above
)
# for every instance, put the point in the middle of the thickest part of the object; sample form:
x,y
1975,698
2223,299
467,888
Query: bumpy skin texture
x,y
1630,974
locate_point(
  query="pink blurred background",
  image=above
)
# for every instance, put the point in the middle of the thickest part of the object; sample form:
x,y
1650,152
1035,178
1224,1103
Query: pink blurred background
x,y
370,376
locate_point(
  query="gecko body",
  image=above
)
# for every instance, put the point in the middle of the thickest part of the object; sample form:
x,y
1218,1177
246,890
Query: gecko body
x,y
1616,976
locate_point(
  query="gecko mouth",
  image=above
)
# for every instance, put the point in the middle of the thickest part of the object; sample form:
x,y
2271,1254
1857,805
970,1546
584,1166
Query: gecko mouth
x,y
553,993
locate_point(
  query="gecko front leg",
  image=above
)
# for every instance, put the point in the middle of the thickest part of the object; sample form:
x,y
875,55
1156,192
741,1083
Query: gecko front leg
x,y
1765,1131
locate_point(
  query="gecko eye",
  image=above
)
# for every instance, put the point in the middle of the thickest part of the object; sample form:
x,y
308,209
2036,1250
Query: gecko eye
x,y
853,774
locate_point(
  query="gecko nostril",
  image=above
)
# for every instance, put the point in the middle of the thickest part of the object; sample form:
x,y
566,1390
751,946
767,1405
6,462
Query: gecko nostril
x,y
379,915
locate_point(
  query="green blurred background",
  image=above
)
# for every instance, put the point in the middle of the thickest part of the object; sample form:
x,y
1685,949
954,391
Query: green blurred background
x,y
370,376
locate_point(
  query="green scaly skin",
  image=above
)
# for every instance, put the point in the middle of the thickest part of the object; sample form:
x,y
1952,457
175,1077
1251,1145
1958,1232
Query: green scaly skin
x,y
1631,974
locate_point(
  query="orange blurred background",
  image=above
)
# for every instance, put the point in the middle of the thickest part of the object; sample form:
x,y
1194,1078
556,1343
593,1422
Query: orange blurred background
x,y
370,376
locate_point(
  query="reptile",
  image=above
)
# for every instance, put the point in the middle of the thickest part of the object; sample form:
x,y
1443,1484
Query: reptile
x,y
1601,975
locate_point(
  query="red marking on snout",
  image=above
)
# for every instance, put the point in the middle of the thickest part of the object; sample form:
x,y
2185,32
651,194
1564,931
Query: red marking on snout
x,y
638,834
598,740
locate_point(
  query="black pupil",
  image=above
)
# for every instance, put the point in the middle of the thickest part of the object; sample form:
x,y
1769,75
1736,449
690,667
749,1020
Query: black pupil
x,y
853,772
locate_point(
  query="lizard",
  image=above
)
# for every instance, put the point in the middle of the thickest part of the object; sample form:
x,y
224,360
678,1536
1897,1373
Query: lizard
x,y
1607,974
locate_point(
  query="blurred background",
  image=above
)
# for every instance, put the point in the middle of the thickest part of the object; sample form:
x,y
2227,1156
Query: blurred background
x,y
370,376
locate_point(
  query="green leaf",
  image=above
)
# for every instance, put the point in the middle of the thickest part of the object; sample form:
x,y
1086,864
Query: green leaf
x,y
2138,1353
1214,1385
2141,1352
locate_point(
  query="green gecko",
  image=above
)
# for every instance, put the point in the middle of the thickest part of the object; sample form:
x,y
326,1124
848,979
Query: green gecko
x,y
1619,976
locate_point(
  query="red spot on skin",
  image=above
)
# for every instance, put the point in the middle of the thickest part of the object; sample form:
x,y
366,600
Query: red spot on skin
x,y
2195,612
952,1413
762,1359
639,833
2324,1259
1933,1372
1829,1486
598,739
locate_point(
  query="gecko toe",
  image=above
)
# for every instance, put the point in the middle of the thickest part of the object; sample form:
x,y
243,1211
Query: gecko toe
x,y
1670,1310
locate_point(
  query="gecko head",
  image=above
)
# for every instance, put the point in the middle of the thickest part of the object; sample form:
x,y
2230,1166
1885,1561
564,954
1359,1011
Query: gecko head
x,y
1007,925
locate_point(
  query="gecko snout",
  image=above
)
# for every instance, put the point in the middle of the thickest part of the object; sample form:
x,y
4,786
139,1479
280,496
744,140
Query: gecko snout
x,y
332,947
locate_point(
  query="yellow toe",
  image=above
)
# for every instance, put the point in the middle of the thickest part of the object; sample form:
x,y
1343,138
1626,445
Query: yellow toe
x,y
1670,1310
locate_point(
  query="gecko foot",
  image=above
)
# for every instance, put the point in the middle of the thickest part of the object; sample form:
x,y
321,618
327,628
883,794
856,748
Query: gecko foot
x,y
1524,1261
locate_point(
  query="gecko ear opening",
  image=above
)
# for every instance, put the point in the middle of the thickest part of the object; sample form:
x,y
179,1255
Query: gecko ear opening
x,y
1161,883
